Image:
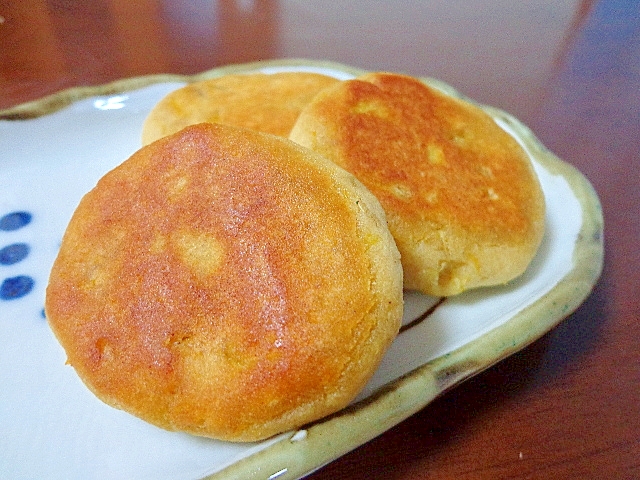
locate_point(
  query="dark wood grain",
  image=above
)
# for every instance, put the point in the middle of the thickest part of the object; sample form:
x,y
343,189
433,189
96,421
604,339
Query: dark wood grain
x,y
567,406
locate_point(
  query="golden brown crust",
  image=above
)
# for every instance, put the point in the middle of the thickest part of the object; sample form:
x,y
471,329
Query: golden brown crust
x,y
268,103
460,194
226,283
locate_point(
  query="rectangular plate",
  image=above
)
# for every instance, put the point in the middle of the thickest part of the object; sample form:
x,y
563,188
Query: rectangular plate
x,y
54,150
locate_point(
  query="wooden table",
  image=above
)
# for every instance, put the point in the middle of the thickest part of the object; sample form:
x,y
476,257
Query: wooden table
x,y
567,406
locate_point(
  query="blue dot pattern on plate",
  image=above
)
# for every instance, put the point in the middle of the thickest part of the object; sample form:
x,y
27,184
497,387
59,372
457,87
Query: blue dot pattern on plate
x,y
14,221
18,286
13,253
15,287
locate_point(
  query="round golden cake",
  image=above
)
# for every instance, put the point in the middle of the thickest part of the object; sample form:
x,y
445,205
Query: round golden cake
x,y
268,103
226,283
460,194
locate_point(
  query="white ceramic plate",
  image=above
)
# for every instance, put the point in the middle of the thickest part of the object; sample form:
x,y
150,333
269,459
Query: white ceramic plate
x,y
54,150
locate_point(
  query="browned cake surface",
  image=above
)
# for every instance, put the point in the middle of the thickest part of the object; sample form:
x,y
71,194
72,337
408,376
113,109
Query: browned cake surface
x,y
268,103
461,197
226,283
